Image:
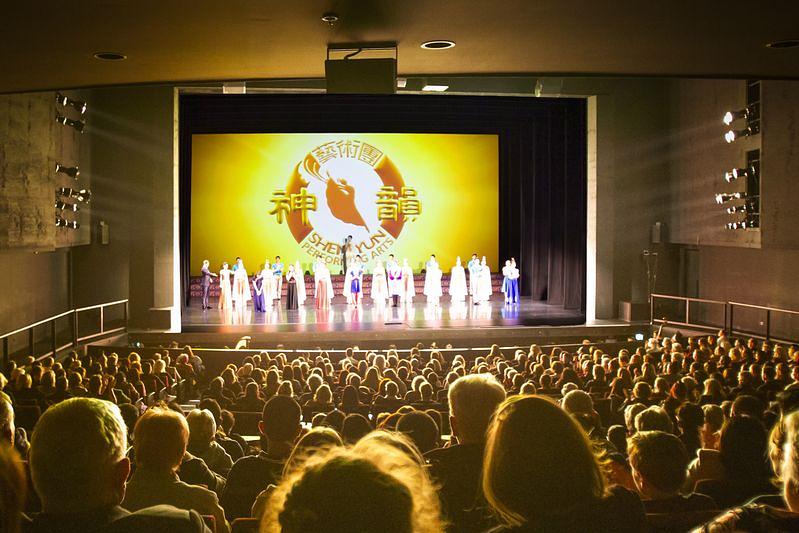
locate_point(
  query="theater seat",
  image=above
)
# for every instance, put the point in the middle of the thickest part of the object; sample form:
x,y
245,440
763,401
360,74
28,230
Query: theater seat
x,y
244,525
210,521
668,522
26,416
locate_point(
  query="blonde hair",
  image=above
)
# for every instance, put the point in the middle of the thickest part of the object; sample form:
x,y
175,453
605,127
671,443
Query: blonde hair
x,y
537,460
160,438
369,487
74,447
473,399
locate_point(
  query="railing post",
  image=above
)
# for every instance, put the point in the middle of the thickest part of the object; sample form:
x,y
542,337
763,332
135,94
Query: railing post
x,y
6,355
125,315
53,335
102,318
75,329
651,311
724,326
732,318
687,310
30,342
768,324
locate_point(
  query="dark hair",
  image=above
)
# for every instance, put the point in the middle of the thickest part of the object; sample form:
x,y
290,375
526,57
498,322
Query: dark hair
x,y
660,458
421,428
281,418
743,448
355,426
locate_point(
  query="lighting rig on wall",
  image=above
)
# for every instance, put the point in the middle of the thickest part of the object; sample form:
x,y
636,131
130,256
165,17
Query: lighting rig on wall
x,y
744,205
65,105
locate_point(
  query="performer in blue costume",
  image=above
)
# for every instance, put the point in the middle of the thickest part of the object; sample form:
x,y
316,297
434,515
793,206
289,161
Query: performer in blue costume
x,y
513,282
506,281
355,275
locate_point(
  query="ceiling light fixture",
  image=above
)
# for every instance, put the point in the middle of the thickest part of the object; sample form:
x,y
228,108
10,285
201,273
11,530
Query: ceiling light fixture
x,y
330,18
784,43
438,44
66,206
734,174
110,56
435,88
78,125
72,172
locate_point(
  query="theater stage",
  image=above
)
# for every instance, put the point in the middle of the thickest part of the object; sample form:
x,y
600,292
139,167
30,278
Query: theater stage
x,y
369,325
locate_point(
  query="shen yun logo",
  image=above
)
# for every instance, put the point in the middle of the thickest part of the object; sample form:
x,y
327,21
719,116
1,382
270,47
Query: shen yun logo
x,y
345,187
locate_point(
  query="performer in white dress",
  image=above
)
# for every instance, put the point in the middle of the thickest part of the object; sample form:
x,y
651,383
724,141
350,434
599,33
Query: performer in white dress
x,y
268,284
483,288
225,292
432,281
301,295
394,274
474,268
506,281
408,286
457,282
323,286
379,285
241,286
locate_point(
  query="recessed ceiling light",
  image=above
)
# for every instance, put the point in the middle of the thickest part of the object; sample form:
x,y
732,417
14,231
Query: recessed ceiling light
x,y
438,44
110,56
785,43
435,88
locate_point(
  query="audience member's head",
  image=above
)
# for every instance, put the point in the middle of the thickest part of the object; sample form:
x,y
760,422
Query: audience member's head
x,y
654,419
421,428
789,471
538,461
372,488
202,429
77,456
315,441
472,402
659,464
160,439
354,428
13,488
746,405
743,447
6,420
280,421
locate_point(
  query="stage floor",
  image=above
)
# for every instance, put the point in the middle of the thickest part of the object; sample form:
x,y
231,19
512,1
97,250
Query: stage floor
x,y
370,317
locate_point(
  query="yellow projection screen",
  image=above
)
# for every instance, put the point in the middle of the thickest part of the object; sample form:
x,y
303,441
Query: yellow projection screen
x,y
299,195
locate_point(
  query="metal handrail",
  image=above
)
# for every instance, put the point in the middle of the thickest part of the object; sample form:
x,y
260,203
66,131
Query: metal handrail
x,y
729,314
74,314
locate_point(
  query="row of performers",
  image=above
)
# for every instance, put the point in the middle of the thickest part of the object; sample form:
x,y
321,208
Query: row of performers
x,y
392,281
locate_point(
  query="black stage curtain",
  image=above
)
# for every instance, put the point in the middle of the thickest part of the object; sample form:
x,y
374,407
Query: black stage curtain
x,y
542,165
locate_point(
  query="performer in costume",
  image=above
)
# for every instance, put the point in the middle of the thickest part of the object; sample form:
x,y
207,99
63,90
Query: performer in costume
x,y
258,287
300,284
322,285
432,281
225,293
514,281
291,290
457,282
241,286
355,275
379,284
207,278
483,288
408,287
506,281
474,268
277,271
394,273
347,252
268,283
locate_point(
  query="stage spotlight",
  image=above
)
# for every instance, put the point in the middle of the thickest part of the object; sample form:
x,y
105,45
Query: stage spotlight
x,y
66,206
733,135
737,209
732,116
78,125
748,223
435,88
729,196
72,172
64,101
82,195
64,223
736,173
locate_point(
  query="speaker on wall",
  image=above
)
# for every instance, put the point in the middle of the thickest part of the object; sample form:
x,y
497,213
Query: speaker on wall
x,y
656,233
103,232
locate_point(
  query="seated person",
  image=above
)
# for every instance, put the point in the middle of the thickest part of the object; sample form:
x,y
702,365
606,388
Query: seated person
x,y
659,465
757,518
159,442
202,441
79,469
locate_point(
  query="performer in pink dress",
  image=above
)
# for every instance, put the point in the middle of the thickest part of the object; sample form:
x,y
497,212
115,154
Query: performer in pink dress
x,y
225,294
